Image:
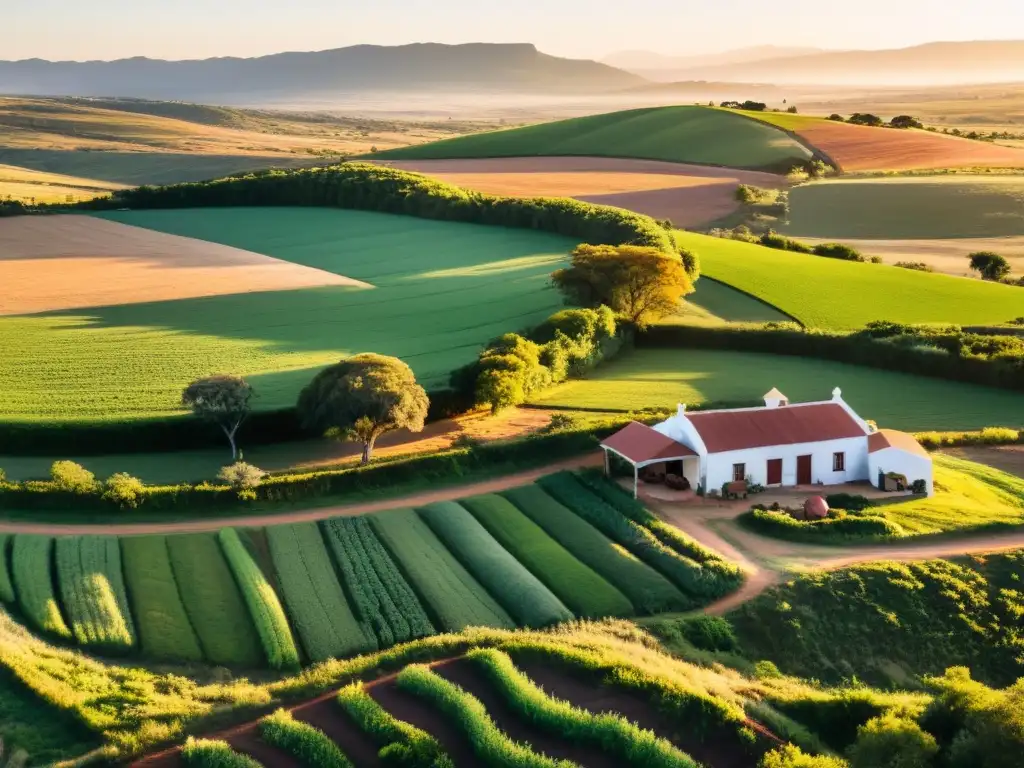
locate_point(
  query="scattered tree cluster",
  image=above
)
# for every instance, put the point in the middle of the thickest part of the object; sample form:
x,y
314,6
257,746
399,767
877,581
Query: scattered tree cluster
x,y
750,106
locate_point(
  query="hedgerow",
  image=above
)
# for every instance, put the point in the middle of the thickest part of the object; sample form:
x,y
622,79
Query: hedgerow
x,y
206,753
264,606
31,568
380,594
648,590
212,600
518,591
454,598
163,625
986,436
837,528
578,586
685,572
491,745
401,744
613,734
92,587
309,745
6,586
314,598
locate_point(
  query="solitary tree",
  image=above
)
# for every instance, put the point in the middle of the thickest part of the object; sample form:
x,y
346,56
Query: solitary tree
x,y
640,284
991,266
362,398
222,400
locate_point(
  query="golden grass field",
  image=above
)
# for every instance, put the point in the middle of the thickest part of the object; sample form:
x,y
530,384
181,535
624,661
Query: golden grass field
x,y
51,263
948,256
688,195
28,186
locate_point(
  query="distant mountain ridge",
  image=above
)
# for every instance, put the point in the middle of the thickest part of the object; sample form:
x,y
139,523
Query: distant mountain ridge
x,y
642,62
356,68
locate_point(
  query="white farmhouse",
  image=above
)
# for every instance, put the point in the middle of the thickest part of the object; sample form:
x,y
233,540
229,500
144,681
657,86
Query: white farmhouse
x,y
779,444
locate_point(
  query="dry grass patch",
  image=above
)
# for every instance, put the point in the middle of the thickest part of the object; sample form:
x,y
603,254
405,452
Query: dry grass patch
x,y
52,263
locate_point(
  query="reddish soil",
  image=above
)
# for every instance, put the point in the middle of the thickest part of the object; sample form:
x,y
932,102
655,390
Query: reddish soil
x,y
463,673
689,195
248,742
860,148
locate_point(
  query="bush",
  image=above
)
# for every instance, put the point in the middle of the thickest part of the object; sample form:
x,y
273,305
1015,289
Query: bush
x,y
837,118
837,528
865,118
709,633
905,121
991,266
890,741
125,491
242,477
791,756
851,502
920,266
772,239
837,251
71,477
987,436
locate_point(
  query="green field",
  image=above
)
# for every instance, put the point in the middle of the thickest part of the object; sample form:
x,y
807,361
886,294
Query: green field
x,y
717,302
914,207
441,291
676,134
843,295
661,378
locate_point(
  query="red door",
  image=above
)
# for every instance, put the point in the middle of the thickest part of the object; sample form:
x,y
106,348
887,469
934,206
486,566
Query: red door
x,y
774,471
803,470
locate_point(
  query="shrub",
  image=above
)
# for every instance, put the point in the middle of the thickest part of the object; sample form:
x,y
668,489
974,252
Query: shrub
x,y
710,633
865,118
124,490
987,436
71,477
991,266
890,740
242,477
309,745
837,251
920,266
905,121
204,753
851,502
837,118
791,756
772,239
836,528
517,590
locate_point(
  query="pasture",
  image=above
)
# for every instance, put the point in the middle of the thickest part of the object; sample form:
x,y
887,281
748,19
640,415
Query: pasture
x,y
675,134
661,378
440,291
842,295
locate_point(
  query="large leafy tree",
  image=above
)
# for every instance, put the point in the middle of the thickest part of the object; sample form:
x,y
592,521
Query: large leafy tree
x,y
223,400
641,284
362,398
991,266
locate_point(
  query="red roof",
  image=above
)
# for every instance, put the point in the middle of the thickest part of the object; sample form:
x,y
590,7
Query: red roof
x,y
787,425
890,438
639,443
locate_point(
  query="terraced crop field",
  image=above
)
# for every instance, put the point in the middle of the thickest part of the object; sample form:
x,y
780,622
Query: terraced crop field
x,y
310,592
661,378
481,282
829,293
676,134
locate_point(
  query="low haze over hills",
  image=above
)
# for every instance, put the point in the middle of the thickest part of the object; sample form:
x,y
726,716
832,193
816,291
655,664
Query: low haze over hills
x,y
646,62
357,68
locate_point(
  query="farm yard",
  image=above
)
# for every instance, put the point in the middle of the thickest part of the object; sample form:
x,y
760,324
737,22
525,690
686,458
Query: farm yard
x,y
675,134
661,378
479,282
687,195
830,293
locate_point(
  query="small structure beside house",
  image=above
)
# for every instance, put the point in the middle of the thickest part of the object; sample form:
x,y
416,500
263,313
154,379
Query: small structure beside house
x,y
778,445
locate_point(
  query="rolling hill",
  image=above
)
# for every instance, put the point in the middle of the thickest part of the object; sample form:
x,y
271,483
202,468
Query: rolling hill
x,y
676,134
361,67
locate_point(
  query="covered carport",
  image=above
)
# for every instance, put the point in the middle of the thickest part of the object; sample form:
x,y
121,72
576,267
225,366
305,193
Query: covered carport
x,y
641,446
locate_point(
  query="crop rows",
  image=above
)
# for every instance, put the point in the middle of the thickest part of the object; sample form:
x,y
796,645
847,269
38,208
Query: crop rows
x,y
92,588
309,745
316,603
6,585
491,745
578,586
647,589
518,591
264,606
213,602
206,753
380,594
455,597
33,581
162,622
400,742
612,733
685,572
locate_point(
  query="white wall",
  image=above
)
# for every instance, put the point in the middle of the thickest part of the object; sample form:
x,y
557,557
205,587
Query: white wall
x,y
914,466
719,465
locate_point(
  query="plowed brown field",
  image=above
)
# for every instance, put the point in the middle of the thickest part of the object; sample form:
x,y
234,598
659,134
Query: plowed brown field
x,y
50,263
689,195
860,148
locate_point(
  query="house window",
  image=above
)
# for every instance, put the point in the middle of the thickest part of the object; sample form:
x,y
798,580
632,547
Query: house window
x,y
739,472
839,462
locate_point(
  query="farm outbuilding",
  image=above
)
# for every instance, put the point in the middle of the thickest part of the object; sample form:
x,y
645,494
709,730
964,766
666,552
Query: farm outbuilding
x,y
641,447
896,453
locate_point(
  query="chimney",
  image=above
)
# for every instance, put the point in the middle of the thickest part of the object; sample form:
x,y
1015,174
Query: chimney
x,y
837,395
775,399
681,409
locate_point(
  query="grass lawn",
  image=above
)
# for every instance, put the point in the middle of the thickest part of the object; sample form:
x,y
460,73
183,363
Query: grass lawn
x,y
661,378
952,206
677,134
712,300
441,290
968,495
829,293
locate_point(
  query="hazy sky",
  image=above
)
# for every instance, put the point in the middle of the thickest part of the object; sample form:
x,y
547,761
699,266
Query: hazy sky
x,y
105,29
